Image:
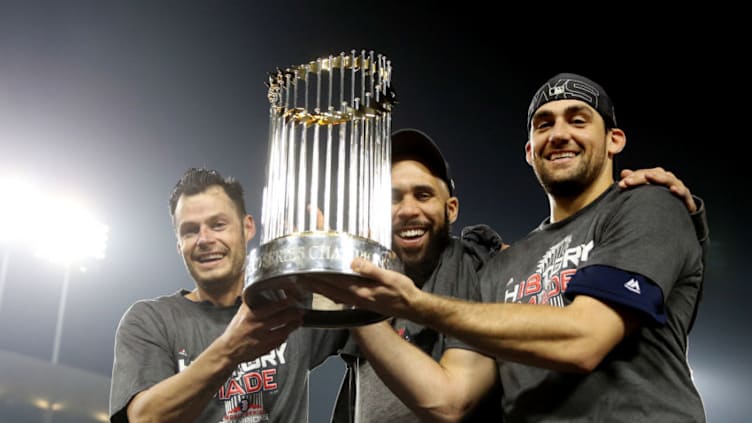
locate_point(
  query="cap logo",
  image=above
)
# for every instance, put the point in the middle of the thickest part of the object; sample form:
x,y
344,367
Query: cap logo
x,y
555,91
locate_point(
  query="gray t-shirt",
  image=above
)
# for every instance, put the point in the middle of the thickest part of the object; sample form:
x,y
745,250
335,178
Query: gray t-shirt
x,y
157,338
369,400
645,232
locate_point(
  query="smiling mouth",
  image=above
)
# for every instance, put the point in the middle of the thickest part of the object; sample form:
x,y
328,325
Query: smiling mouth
x,y
410,234
410,238
561,155
210,258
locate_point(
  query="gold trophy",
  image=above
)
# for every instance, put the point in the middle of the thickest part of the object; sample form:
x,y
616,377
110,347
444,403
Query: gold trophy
x,y
327,197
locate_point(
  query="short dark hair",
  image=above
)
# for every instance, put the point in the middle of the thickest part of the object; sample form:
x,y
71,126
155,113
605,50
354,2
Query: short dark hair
x,y
197,180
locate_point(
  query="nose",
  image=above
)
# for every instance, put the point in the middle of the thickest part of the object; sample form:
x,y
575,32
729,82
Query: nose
x,y
407,208
205,236
559,131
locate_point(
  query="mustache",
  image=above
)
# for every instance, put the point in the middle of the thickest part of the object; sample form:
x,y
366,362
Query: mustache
x,y
411,224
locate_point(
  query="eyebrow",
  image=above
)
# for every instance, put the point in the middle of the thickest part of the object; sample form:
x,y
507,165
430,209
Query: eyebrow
x,y
183,228
211,218
420,187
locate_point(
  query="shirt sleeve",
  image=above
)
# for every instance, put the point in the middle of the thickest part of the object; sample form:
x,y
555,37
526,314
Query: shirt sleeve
x,y
468,289
482,241
650,234
142,358
617,286
700,221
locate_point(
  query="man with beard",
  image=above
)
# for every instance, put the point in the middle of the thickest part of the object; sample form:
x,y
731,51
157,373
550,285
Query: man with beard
x,y
587,317
423,209
203,355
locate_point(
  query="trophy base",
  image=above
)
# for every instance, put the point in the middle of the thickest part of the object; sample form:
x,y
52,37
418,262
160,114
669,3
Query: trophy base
x,y
284,263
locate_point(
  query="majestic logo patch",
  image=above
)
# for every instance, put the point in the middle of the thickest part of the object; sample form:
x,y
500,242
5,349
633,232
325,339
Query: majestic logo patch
x,y
633,286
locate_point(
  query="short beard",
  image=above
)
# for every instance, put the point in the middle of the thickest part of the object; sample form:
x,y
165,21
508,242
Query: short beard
x,y
420,271
217,285
570,188
220,284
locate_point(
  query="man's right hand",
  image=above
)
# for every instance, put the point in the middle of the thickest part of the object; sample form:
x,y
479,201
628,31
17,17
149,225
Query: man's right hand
x,y
254,332
251,333
383,291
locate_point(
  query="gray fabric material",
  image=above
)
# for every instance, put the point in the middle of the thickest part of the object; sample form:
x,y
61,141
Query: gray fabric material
x,y
454,276
646,378
700,221
157,337
377,402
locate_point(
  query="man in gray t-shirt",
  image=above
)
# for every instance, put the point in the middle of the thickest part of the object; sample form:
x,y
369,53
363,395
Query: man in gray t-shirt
x,y
623,251
588,316
203,355
424,206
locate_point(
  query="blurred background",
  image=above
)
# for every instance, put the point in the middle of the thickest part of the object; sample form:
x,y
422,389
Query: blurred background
x,y
104,104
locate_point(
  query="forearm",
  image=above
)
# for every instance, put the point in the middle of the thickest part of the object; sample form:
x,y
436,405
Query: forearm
x,y
572,338
418,380
562,338
183,396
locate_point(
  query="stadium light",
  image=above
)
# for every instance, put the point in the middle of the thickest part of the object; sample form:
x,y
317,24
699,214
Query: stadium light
x,y
70,236
20,209
56,228
22,206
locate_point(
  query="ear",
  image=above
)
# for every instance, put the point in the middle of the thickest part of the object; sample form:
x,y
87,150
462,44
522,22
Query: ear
x,y
250,227
616,142
453,209
529,153
180,250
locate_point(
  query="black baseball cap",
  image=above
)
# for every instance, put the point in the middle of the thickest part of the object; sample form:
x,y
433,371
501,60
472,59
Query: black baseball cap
x,y
416,144
575,87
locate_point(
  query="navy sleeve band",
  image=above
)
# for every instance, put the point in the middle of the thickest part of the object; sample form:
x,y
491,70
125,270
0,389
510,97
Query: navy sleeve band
x,y
617,286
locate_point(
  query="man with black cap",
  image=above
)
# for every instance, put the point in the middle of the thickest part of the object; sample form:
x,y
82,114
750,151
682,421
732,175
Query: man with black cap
x,y
423,208
587,316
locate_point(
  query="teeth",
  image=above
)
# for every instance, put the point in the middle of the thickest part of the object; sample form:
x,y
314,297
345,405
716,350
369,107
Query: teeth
x,y
411,233
563,155
210,257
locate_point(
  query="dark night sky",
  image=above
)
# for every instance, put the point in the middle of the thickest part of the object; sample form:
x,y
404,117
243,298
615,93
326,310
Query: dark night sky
x,y
112,101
